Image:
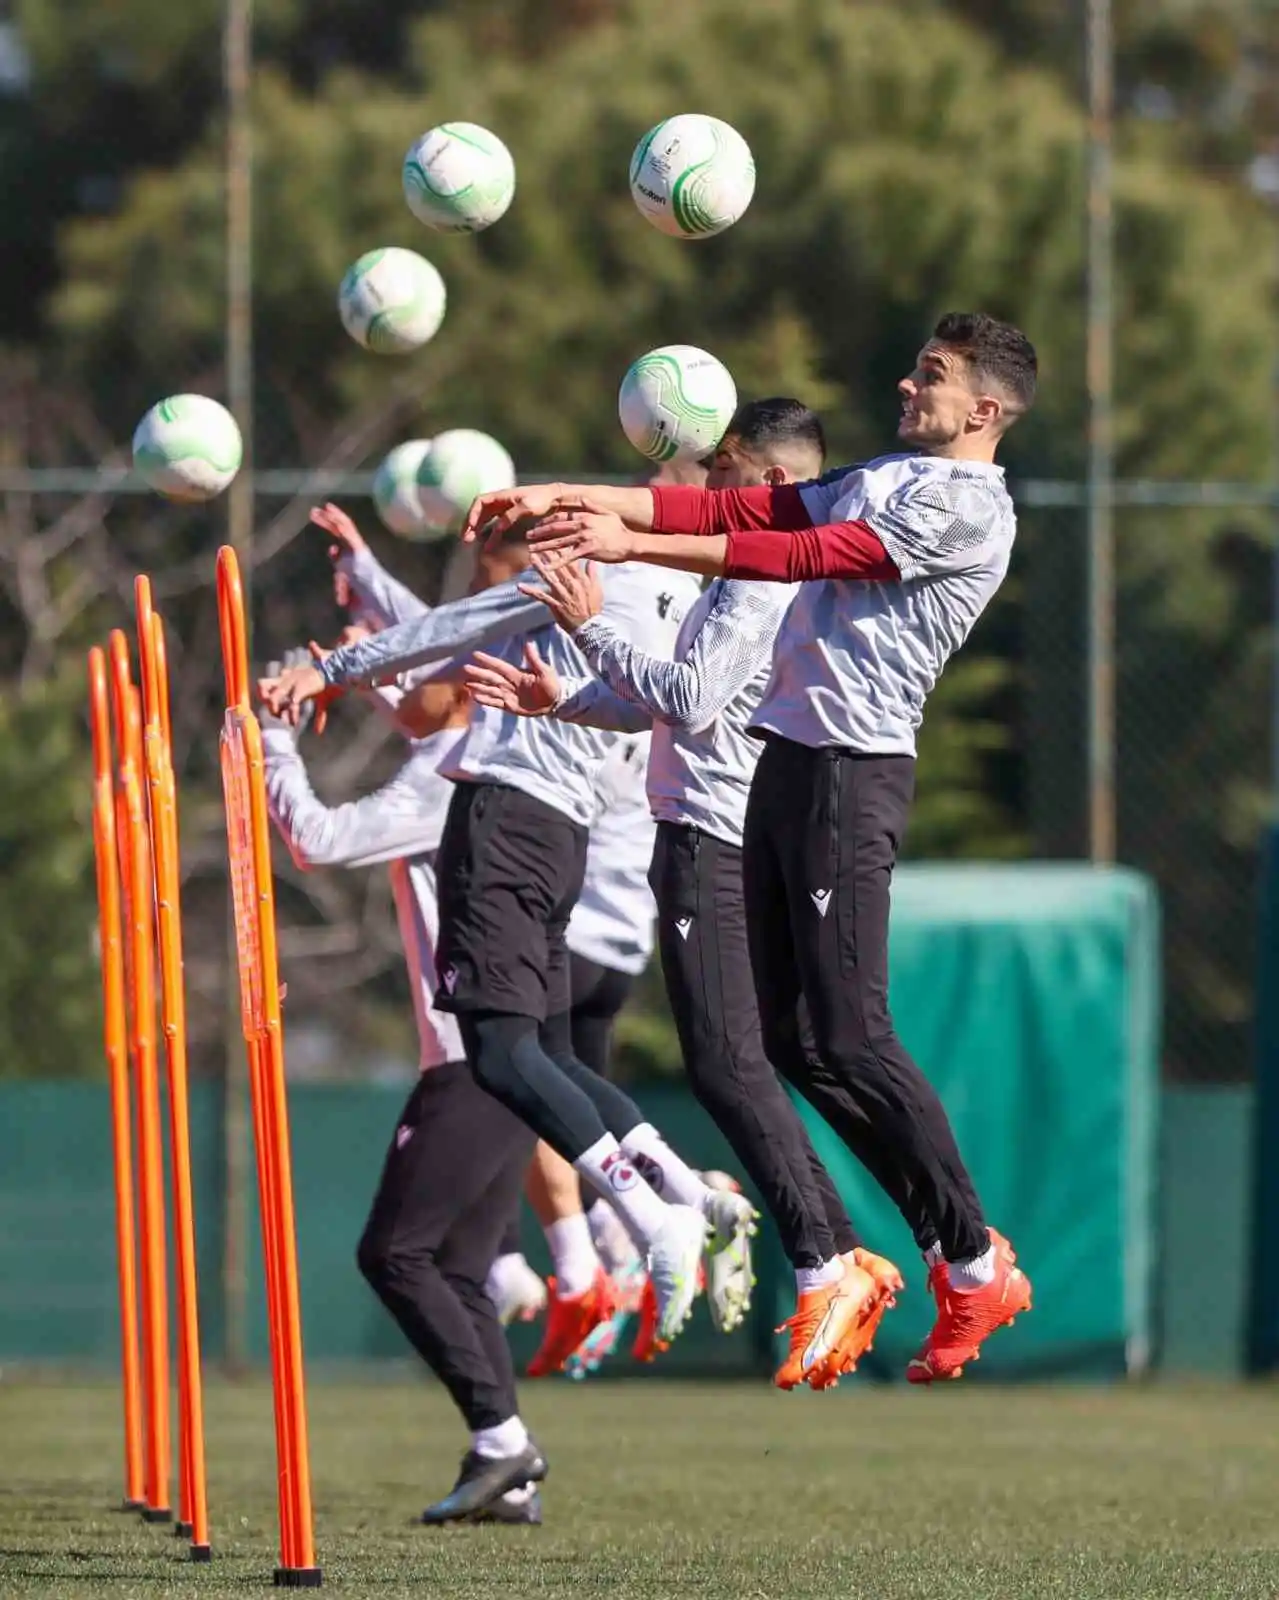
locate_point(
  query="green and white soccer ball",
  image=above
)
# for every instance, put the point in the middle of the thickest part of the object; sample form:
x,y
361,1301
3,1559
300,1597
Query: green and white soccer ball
x,y
676,402
395,489
458,178
391,301
692,176
461,464
187,448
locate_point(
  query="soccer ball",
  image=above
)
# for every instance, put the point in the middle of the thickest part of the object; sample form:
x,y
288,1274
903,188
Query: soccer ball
x,y
187,448
676,403
395,488
458,178
391,301
692,176
460,464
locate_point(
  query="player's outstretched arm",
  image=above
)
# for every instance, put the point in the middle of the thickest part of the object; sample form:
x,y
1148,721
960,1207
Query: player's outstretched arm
x,y
495,514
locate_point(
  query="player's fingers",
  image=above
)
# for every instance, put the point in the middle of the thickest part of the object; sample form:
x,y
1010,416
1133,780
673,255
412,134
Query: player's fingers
x,y
534,658
502,670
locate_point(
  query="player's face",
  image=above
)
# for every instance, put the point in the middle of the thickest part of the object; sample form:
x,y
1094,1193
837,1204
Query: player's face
x,y
732,467
938,399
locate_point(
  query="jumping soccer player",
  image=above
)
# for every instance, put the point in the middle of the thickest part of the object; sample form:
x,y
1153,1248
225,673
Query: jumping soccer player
x,y
454,1169
700,772
510,868
897,559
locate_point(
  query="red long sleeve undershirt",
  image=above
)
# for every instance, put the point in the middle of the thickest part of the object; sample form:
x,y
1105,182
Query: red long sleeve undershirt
x,y
771,536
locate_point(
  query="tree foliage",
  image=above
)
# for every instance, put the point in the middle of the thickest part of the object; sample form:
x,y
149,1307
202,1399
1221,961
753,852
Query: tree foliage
x,y
913,157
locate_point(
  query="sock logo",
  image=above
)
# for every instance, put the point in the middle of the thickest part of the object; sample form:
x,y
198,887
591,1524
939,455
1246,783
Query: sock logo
x,y
682,925
821,899
620,1174
402,1136
651,1173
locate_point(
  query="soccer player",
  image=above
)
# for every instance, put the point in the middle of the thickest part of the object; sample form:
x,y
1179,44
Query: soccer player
x,y
897,560
455,1166
510,868
700,770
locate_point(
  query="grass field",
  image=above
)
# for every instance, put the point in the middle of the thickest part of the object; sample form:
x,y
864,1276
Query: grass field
x,y
680,1490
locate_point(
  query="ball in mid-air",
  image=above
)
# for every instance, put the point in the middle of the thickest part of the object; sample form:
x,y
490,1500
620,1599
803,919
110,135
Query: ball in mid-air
x,y
458,178
395,489
187,448
391,301
676,402
692,176
461,464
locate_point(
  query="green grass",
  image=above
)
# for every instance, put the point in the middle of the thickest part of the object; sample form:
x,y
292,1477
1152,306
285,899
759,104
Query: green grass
x,y
682,1490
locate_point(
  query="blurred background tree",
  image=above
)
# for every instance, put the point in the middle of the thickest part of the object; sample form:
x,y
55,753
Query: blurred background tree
x,y
912,156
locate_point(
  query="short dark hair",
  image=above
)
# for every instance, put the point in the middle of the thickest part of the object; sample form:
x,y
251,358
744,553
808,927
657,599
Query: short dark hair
x,y
760,424
996,351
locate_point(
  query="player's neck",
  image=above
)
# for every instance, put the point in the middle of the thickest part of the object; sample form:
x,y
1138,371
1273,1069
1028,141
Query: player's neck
x,y
973,447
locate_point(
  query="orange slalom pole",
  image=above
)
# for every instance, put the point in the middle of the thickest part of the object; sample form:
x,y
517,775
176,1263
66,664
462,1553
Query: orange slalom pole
x,y
116,1039
248,838
193,1514
155,1322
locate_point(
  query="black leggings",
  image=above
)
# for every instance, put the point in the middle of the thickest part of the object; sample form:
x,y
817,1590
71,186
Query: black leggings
x,y
599,993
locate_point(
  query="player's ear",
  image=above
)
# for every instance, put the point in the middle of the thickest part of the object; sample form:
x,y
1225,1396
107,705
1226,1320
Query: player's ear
x,y
773,476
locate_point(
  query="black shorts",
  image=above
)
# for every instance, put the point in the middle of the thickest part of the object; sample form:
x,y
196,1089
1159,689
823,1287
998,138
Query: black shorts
x,y
509,872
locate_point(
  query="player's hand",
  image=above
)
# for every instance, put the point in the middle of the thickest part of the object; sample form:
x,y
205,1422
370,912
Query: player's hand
x,y
353,633
285,693
572,592
586,534
347,538
530,691
494,514
275,669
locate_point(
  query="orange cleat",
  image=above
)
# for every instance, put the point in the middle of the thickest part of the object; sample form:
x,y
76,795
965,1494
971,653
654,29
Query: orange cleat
x,y
569,1319
861,1335
966,1321
826,1321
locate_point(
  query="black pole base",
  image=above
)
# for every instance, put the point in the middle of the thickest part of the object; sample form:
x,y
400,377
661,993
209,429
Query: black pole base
x,y
182,1530
133,1505
298,1577
201,1552
156,1514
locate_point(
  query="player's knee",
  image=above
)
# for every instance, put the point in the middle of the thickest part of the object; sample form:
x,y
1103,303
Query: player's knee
x,y
372,1256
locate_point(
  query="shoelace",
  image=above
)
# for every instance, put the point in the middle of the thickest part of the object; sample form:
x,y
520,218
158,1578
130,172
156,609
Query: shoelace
x,y
803,1325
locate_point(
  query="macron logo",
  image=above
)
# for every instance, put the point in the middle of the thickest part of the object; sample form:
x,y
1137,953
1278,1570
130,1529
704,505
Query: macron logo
x,y
821,899
682,925
402,1136
450,978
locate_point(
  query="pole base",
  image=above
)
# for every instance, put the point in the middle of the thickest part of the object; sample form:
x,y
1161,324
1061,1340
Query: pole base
x,y
298,1577
182,1530
133,1505
156,1514
201,1552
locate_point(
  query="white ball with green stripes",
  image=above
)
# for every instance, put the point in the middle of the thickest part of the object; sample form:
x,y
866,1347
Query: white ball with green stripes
x,y
676,402
187,448
692,176
458,178
391,301
395,489
461,464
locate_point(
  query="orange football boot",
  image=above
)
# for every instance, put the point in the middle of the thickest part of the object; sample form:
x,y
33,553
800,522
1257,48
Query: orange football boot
x,y
569,1319
861,1335
825,1319
966,1321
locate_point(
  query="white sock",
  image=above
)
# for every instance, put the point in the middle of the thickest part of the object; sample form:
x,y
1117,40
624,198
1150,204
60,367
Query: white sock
x,y
573,1254
613,1244
505,1267
966,1277
495,1444
663,1170
829,1272
933,1256
607,1169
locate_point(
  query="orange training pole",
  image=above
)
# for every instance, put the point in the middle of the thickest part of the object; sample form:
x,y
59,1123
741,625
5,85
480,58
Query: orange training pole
x,y
115,1034
193,1515
248,840
137,856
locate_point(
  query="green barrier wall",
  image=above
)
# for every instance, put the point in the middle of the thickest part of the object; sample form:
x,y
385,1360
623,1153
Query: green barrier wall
x,y
1029,996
